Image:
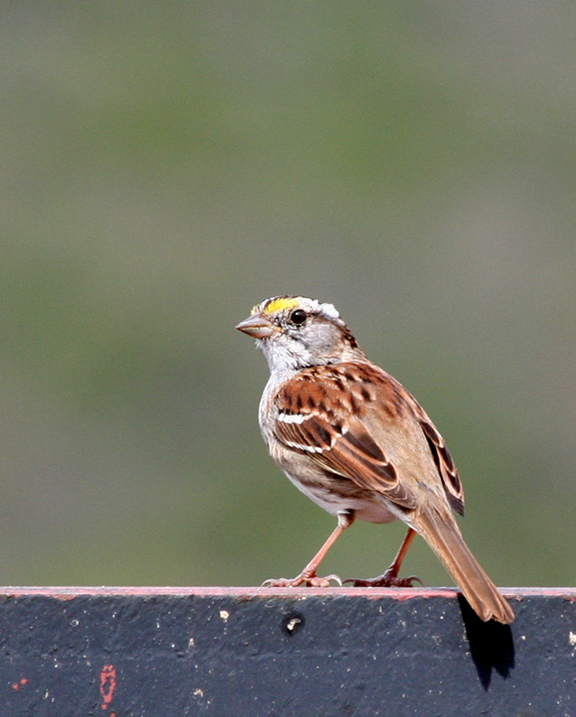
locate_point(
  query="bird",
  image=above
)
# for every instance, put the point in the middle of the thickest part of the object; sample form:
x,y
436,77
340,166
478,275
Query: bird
x,y
355,441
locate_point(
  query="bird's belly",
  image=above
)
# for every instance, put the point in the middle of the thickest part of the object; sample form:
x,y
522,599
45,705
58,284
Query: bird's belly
x,y
372,510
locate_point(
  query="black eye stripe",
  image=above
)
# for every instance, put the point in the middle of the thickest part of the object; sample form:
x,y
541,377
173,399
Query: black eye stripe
x,y
298,317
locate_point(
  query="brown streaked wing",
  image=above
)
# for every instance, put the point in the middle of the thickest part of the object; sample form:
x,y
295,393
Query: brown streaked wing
x,y
313,435
334,438
357,456
444,463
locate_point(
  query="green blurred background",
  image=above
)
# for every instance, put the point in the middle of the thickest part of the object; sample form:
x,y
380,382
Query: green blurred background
x,y
165,166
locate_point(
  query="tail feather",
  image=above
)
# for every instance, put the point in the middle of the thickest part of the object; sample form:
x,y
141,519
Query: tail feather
x,y
444,537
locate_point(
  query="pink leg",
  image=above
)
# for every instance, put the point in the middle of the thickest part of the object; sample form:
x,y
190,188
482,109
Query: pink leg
x,y
390,577
308,575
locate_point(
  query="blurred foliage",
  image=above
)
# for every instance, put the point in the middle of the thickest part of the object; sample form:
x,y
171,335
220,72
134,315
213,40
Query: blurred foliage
x,y
165,166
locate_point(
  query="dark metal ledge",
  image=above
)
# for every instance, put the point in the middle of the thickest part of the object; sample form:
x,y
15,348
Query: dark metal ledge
x,y
231,652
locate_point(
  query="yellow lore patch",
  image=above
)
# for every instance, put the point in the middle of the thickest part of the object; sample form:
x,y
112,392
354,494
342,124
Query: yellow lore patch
x,y
282,304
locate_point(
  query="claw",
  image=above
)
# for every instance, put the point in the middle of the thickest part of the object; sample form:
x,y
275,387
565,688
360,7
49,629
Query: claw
x,y
311,581
324,582
282,583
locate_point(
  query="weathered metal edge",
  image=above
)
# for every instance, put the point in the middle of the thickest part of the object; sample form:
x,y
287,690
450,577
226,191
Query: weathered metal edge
x,y
400,594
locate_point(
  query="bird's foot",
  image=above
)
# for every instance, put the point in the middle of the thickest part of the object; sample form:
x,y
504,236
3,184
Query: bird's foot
x,y
310,581
388,579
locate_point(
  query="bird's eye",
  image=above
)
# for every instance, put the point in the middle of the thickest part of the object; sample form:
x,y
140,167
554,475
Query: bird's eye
x,y
298,317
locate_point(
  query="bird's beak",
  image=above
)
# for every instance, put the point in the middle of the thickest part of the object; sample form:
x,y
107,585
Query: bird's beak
x,y
257,326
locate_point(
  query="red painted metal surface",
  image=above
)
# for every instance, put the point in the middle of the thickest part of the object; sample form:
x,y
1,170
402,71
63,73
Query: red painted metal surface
x,y
68,592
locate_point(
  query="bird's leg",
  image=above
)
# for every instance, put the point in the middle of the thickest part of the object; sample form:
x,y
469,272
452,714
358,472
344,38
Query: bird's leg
x,y
308,576
390,576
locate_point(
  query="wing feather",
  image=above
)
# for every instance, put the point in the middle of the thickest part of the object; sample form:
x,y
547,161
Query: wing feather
x,y
337,438
444,463
351,418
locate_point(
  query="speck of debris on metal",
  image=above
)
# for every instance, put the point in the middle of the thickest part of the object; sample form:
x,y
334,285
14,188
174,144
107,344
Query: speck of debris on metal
x,y
291,624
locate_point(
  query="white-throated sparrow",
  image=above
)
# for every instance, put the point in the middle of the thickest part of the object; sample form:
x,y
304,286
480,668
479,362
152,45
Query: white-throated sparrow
x,y
357,443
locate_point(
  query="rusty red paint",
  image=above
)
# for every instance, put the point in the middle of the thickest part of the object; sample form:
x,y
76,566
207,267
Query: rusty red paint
x,y
107,686
69,593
